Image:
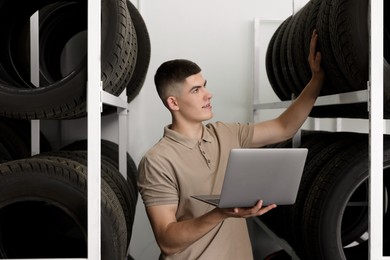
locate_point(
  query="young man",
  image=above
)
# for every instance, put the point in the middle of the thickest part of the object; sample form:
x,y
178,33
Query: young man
x,y
191,159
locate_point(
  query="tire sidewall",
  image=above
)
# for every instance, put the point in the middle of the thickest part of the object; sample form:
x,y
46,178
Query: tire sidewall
x,y
330,226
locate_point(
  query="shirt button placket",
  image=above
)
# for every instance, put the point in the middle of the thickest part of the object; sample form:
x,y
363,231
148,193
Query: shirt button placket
x,y
204,153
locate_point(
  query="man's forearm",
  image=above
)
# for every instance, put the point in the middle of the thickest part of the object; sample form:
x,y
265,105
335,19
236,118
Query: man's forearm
x,y
179,235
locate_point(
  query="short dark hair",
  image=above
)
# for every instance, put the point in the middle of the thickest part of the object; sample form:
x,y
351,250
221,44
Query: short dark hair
x,y
171,72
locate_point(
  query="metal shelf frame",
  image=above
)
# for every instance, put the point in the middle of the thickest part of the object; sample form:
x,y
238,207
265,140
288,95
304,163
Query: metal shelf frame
x,y
374,98
96,97
343,98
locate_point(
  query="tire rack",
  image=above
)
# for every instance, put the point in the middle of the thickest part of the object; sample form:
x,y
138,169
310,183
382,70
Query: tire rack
x,y
96,96
374,97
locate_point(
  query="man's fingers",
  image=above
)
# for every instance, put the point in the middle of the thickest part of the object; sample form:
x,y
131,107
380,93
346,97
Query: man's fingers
x,y
266,209
313,42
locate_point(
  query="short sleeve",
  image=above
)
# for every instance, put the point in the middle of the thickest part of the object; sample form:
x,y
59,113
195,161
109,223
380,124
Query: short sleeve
x,y
155,183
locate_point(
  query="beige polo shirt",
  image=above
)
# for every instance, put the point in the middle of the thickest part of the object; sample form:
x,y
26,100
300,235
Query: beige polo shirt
x,y
178,167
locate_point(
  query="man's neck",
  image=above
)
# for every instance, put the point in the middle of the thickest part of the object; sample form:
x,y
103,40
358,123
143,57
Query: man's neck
x,y
193,131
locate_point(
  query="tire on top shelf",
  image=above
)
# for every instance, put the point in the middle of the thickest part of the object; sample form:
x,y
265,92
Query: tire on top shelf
x,y
342,27
62,45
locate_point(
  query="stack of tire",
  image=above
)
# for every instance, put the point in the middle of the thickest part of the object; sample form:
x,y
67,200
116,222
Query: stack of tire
x,y
125,55
329,219
43,201
342,26
43,198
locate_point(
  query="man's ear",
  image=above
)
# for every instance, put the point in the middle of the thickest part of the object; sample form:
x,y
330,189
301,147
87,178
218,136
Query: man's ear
x,y
172,103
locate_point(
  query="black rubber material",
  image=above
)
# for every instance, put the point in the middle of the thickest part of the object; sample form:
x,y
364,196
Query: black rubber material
x,y
270,72
286,71
329,63
64,96
342,27
143,53
57,186
330,216
348,31
115,180
297,61
282,85
336,210
110,151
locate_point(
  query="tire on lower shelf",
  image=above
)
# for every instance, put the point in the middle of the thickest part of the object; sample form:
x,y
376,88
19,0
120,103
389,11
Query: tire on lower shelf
x,y
110,151
113,177
43,211
336,209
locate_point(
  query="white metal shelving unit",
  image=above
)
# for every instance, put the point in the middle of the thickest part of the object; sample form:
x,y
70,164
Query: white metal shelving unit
x,y
376,131
96,97
374,96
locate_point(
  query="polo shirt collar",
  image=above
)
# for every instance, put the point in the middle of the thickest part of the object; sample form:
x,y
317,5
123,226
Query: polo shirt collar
x,y
188,142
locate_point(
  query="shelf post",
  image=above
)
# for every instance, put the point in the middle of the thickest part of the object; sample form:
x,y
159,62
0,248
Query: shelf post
x,y
34,76
94,106
122,140
375,106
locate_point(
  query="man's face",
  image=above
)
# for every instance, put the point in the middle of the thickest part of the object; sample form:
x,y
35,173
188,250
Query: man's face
x,y
194,100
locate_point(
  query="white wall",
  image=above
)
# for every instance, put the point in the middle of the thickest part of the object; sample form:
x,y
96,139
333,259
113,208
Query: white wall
x,y
218,35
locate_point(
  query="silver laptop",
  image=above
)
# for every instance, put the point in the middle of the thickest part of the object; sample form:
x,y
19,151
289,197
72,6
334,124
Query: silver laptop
x,y
252,174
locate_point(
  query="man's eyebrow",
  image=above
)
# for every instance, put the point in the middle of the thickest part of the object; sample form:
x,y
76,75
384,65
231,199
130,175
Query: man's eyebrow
x,y
195,87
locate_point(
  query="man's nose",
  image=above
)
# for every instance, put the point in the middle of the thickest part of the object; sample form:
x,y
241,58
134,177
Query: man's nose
x,y
208,94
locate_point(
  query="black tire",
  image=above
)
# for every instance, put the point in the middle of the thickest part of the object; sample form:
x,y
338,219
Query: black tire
x,y
276,64
286,70
24,100
332,68
323,147
340,51
348,36
117,63
143,53
336,210
65,97
110,151
113,178
117,227
296,58
36,187
118,71
55,30
310,25
287,221
269,67
293,39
